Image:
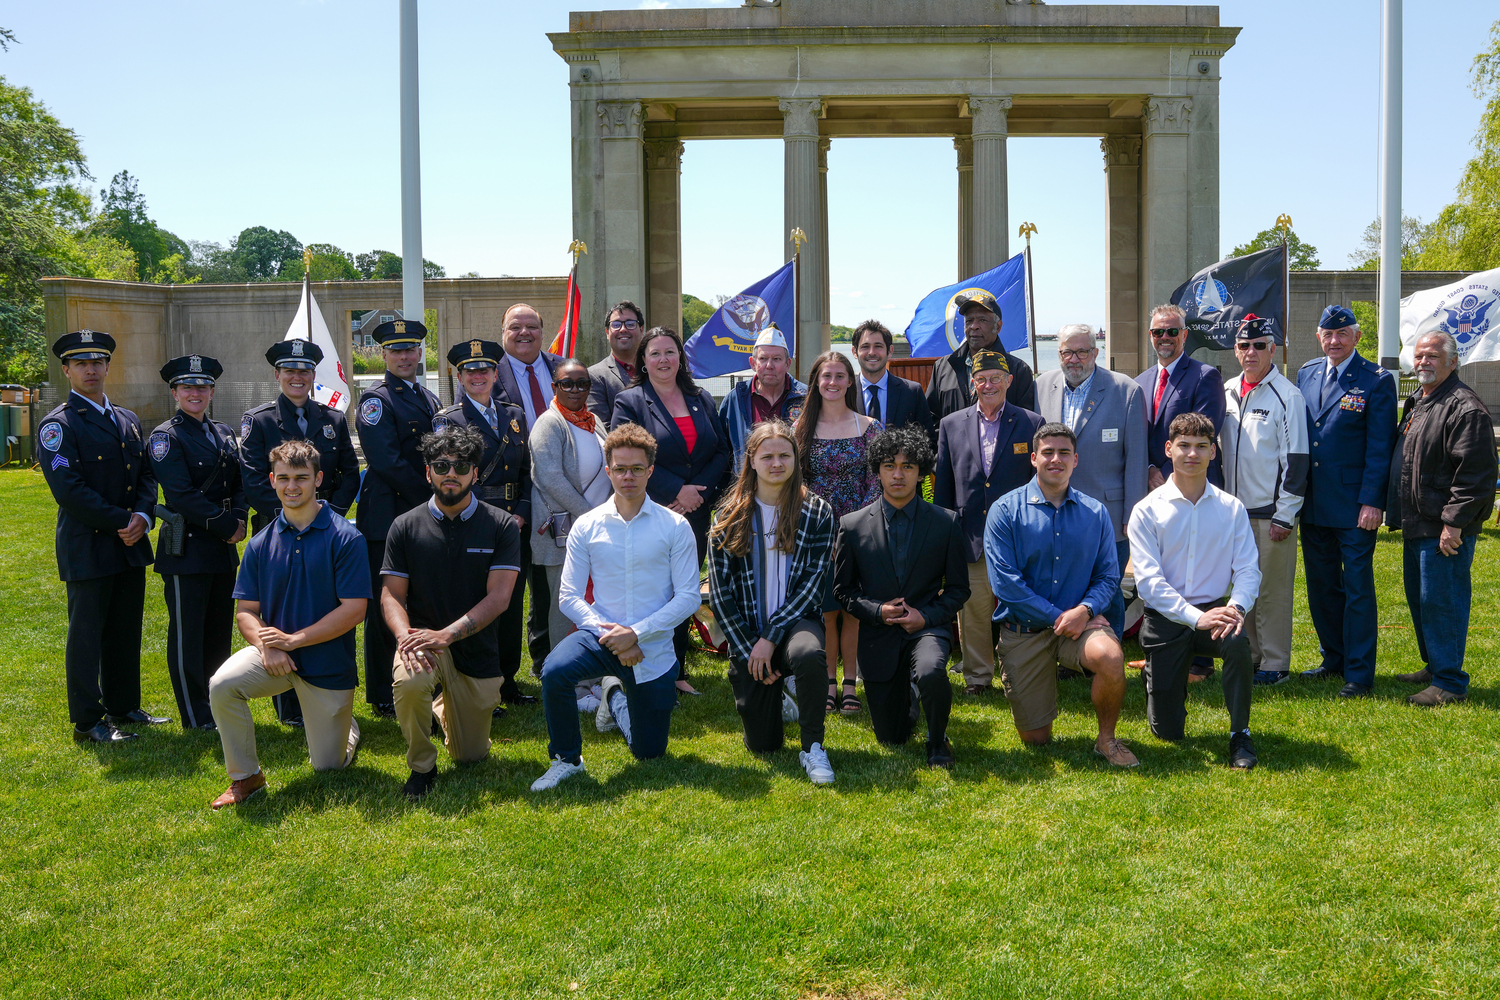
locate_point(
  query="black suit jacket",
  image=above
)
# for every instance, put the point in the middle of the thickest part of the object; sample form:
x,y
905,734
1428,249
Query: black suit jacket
x,y
935,579
391,420
961,482
901,403
609,381
675,468
1193,387
949,390
507,389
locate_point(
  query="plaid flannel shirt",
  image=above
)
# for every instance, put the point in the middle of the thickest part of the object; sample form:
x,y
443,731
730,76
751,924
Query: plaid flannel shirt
x,y
734,593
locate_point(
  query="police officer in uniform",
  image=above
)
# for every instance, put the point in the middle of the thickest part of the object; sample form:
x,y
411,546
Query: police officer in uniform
x,y
197,462
94,459
393,416
291,415
504,475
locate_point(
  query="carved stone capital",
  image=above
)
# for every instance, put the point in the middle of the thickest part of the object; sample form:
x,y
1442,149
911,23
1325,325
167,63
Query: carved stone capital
x,y
824,144
989,114
800,116
664,154
620,119
965,147
1121,150
1167,115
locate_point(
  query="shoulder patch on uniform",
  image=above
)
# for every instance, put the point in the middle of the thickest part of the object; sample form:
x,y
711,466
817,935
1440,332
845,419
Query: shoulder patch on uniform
x,y
51,435
161,443
370,410
328,431
439,421
245,426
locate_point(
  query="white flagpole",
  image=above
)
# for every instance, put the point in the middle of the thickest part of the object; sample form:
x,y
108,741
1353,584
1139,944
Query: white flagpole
x,y
413,304
1390,188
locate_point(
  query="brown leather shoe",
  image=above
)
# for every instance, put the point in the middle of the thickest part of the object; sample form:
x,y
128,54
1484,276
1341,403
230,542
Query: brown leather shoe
x,y
976,689
1423,676
1433,696
239,791
1117,753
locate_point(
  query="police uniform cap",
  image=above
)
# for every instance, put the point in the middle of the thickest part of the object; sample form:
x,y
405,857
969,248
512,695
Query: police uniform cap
x,y
84,345
400,334
990,361
1252,326
192,369
475,354
977,297
1336,317
294,354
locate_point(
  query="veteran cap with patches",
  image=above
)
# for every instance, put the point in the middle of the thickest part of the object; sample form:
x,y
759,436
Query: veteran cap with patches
x,y
772,336
475,354
1253,326
989,361
194,369
976,297
1336,317
400,334
84,345
294,354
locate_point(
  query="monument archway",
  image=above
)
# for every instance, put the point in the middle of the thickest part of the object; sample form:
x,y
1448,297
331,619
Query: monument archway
x,y
1143,79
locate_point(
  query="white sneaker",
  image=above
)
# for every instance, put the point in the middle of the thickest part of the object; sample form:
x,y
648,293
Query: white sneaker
x,y
560,771
788,708
604,719
815,763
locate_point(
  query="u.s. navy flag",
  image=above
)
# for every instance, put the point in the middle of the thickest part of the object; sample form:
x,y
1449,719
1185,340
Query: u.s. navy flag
x,y
937,330
1216,298
1468,309
723,344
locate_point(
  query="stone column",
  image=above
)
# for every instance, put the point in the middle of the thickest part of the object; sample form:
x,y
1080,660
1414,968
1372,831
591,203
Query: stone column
x,y
621,254
663,303
965,147
1165,231
991,226
1123,319
803,209
823,146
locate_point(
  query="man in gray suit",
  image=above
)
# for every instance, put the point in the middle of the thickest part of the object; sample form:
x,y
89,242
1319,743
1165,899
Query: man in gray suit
x,y
1108,413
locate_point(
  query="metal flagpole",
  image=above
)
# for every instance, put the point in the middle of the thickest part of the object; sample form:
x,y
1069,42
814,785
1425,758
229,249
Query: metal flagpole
x,y
798,237
413,305
1390,189
1027,228
307,289
1284,222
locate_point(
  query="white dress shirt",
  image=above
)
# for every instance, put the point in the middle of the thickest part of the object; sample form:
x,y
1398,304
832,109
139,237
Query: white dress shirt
x,y
645,575
523,384
883,384
1185,554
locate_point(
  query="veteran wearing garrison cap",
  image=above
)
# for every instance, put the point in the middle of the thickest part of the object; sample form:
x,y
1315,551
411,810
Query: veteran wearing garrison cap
x,y
504,475
295,415
203,517
391,419
93,456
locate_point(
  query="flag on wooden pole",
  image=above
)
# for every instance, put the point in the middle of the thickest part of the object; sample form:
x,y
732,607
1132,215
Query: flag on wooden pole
x,y
566,341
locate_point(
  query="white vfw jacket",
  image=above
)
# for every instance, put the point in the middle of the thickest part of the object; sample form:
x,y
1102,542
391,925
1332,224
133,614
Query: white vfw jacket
x,y
1264,446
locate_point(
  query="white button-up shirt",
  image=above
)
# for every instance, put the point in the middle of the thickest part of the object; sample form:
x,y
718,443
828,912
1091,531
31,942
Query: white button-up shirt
x,y
523,383
645,576
1185,554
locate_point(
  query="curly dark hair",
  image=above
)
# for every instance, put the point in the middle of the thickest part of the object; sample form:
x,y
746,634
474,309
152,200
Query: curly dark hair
x,y
910,441
462,444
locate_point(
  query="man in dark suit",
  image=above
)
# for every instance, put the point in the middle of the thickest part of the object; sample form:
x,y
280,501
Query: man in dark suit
x,y
615,373
1351,429
1176,384
393,416
94,460
950,391
891,399
899,567
983,452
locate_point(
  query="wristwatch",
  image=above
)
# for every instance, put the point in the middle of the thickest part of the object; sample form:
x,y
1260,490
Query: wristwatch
x,y
1237,608
1085,605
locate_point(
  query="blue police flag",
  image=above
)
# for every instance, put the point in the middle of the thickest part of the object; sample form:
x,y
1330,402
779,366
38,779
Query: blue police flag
x,y
937,329
1216,298
723,343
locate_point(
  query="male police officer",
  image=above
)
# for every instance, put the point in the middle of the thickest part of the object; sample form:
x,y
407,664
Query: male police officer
x,y
197,462
504,476
393,417
294,415
94,459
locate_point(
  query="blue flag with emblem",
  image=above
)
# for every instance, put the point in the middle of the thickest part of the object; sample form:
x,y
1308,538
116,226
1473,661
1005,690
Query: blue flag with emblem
x,y
723,343
938,330
1216,298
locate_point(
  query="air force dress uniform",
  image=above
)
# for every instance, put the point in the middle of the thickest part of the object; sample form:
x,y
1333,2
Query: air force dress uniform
x,y
197,463
94,459
392,418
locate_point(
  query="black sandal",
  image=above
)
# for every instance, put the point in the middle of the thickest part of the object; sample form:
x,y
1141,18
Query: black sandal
x,y
833,699
849,704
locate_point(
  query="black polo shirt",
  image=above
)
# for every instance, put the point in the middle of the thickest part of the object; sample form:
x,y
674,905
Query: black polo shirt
x,y
447,562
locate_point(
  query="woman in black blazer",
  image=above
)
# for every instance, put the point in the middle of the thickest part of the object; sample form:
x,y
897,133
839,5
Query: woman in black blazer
x,y
692,444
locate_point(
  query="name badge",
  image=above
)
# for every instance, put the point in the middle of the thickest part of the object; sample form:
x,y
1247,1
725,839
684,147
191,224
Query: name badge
x,y
1021,447
1110,435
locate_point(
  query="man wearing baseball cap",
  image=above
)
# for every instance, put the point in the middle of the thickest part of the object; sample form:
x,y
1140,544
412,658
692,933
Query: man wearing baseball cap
x,y
951,389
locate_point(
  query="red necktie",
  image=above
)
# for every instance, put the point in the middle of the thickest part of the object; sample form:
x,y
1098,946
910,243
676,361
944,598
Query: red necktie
x,y
538,404
1161,387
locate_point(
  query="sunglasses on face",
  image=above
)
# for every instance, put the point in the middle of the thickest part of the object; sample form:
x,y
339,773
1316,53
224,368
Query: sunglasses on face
x,y
573,384
1259,345
442,466
1166,332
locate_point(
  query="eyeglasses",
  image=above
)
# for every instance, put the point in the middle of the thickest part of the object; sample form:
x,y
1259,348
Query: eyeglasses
x,y
441,467
1080,355
628,470
1166,332
624,324
573,384
1259,345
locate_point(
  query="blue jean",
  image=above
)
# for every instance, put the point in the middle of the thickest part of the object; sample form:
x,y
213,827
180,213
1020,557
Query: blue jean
x,y
579,657
1114,612
1339,567
1439,589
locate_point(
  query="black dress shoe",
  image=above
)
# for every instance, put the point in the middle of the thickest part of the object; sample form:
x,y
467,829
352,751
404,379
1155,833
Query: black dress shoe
x,y
940,754
385,710
136,718
519,699
102,732
1322,673
1353,690
208,727
419,784
1242,752
498,713
295,722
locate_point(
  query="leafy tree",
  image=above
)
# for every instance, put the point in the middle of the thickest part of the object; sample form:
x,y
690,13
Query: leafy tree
x,y
329,263
40,161
1302,256
382,265
1413,239
262,252
695,312
123,217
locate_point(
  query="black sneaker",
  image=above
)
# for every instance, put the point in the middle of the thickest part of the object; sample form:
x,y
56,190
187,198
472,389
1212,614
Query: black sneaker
x,y
1242,752
385,710
940,754
419,784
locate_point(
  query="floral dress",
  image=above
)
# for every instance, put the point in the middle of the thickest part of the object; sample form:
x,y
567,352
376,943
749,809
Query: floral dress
x,y
840,474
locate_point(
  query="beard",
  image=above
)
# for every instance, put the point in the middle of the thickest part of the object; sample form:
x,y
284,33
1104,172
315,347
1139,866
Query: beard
x,y
451,496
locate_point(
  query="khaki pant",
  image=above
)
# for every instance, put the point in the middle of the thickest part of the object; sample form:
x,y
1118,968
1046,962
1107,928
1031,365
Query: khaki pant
x,y
1029,677
465,710
1269,623
974,628
327,715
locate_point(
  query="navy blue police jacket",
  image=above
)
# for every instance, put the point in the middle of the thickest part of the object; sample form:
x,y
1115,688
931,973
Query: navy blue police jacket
x,y
200,479
505,467
269,424
391,419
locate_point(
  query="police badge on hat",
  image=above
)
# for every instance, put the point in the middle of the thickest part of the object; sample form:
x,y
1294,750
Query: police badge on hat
x,y
296,348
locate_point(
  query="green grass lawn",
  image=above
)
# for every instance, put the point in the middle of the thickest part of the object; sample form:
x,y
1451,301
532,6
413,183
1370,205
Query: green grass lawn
x,y
1358,860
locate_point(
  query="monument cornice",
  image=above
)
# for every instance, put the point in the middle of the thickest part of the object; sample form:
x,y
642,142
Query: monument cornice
x,y
1207,40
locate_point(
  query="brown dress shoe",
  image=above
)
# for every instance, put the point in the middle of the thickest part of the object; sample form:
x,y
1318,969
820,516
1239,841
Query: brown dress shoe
x,y
976,689
1117,753
1423,676
1433,696
239,791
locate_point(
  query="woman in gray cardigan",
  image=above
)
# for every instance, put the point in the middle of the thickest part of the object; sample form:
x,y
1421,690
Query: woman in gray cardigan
x,y
567,478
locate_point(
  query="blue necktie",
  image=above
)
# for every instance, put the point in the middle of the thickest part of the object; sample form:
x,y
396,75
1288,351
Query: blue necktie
x,y
1331,384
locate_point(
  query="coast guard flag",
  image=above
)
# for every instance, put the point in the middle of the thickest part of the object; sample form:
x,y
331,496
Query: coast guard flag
x,y
1468,309
723,344
937,330
330,387
1216,298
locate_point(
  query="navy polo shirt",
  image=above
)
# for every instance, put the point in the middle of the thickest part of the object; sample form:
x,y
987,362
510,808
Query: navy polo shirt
x,y
298,578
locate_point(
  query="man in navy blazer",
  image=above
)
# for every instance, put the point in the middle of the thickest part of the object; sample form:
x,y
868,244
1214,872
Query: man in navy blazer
x,y
984,452
1177,384
1351,429
887,397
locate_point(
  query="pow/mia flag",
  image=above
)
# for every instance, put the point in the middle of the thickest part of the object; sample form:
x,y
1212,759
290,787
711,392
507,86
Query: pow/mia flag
x,y
1216,298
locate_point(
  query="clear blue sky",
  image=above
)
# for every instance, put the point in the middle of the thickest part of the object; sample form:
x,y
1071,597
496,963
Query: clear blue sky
x,y
285,114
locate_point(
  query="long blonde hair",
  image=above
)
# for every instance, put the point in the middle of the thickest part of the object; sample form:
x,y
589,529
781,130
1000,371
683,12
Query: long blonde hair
x,y
733,524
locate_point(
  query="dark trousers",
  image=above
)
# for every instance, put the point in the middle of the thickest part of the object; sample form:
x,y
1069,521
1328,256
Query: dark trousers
x,y
538,642
380,645
103,653
510,625
1170,647
802,655
923,658
578,657
200,621
1339,565
1439,590
1114,613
